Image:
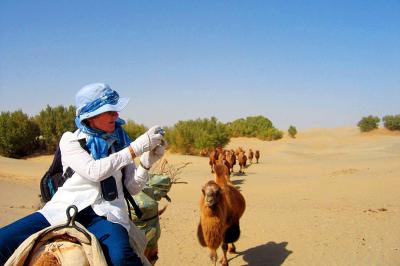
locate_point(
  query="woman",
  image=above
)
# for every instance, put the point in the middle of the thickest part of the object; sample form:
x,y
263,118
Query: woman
x,y
96,186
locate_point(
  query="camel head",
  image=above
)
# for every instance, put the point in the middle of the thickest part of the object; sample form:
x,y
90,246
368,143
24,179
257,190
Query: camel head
x,y
212,193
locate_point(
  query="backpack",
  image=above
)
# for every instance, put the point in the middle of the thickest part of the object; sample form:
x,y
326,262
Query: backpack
x,y
54,178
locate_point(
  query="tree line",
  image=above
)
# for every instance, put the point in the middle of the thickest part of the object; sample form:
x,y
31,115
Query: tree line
x,y
22,135
368,123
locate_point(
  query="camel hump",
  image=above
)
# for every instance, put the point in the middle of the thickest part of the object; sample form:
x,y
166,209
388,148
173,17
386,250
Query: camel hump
x,y
62,252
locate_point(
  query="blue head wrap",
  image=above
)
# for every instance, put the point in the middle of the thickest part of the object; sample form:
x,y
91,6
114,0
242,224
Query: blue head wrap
x,y
103,99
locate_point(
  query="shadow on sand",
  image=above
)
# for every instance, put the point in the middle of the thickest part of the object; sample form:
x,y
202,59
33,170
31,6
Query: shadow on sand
x,y
269,254
238,174
237,183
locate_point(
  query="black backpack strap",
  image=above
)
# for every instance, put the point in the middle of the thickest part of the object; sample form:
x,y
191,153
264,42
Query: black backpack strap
x,y
69,172
82,142
129,199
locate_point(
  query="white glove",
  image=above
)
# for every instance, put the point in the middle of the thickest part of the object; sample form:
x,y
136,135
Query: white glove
x,y
150,157
148,141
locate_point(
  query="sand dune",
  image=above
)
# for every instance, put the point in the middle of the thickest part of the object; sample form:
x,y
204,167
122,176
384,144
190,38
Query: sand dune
x,y
328,197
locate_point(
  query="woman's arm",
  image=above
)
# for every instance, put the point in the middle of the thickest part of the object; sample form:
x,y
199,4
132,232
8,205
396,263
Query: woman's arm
x,y
74,156
135,178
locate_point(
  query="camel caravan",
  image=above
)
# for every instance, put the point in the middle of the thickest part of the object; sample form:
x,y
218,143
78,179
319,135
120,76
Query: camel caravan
x,y
230,157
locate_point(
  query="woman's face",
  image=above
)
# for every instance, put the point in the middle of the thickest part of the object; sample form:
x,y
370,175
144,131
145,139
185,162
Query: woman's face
x,y
104,121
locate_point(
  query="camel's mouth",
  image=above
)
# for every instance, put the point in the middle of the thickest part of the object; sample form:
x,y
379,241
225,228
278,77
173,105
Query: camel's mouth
x,y
210,202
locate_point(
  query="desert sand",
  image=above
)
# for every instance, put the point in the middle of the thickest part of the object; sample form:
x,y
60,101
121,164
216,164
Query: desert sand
x,y
327,197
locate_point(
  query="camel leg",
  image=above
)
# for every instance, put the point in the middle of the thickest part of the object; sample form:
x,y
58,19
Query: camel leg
x,y
231,248
224,259
213,256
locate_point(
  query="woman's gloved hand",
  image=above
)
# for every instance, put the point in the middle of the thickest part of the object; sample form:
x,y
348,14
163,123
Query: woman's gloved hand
x,y
148,141
150,157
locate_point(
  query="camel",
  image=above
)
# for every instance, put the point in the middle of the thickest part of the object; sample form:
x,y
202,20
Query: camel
x,y
221,206
257,155
231,159
214,154
242,159
251,155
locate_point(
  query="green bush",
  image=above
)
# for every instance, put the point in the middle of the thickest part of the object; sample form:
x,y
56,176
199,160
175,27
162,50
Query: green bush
x,y
134,130
18,134
249,127
254,126
270,134
53,122
189,137
368,123
391,122
292,131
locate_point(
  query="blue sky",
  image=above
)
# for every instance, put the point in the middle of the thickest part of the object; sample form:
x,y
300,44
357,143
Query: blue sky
x,y
303,63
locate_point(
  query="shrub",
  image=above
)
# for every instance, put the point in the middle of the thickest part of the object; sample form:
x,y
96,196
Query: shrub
x,y
189,137
254,126
292,131
18,134
53,122
249,127
391,122
270,134
134,130
368,123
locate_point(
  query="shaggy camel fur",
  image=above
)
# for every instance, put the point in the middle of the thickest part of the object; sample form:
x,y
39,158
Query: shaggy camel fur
x,y
221,206
60,252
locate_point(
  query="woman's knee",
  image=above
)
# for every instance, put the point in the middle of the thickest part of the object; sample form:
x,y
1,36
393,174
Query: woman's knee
x,y
5,251
9,241
12,235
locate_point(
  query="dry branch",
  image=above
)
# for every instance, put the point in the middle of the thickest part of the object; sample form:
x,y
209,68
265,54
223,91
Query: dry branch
x,y
164,168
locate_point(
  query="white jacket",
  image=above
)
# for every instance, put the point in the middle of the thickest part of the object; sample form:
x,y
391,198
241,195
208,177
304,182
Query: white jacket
x,y
83,188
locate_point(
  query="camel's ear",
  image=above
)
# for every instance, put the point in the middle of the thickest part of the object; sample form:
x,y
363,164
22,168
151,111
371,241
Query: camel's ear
x,y
203,190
